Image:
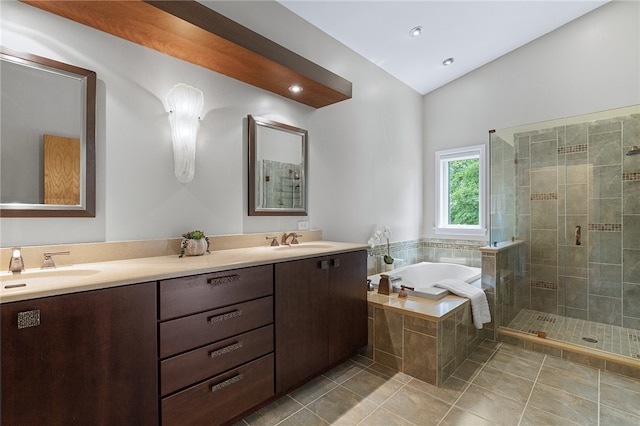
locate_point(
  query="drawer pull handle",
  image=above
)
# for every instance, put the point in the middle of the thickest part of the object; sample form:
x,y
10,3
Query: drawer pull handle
x,y
224,317
228,382
223,280
225,350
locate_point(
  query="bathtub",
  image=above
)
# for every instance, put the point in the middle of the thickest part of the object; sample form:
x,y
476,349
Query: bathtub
x,y
422,277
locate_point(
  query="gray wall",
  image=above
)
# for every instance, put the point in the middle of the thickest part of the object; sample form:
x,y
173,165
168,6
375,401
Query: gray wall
x,y
370,158
365,166
590,64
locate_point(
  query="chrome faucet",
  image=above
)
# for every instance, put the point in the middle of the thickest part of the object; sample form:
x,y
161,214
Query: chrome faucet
x,y
16,264
48,260
294,239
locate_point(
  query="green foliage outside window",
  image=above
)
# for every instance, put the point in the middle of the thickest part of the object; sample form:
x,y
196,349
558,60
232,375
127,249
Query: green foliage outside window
x,y
464,192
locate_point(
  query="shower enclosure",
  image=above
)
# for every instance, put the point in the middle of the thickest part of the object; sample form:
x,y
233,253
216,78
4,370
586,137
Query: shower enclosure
x,y
567,192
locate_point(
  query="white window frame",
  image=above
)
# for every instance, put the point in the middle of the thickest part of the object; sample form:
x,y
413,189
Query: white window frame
x,y
443,157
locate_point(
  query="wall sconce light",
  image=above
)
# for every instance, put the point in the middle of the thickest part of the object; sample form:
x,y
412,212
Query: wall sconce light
x,y
185,106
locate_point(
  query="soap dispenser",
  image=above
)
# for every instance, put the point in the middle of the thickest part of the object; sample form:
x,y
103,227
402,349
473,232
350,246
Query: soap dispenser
x,y
384,287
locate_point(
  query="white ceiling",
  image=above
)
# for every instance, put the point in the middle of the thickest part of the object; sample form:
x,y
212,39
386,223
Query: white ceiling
x,y
474,32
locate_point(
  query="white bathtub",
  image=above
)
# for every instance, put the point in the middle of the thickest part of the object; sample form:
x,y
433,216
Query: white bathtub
x,y
423,276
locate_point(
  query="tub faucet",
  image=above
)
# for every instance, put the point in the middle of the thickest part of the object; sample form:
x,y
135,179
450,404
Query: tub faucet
x,y
48,260
294,240
16,264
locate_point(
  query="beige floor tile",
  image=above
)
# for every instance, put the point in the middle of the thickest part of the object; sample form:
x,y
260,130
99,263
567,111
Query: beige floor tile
x,y
390,373
274,412
519,352
535,417
449,392
620,381
504,384
490,405
384,417
342,406
362,360
620,398
515,365
344,371
481,355
572,367
372,386
458,417
468,370
563,404
611,416
303,417
313,390
417,407
576,384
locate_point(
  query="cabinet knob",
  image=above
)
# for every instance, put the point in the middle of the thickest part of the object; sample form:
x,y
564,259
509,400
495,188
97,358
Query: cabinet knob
x,y
324,264
335,263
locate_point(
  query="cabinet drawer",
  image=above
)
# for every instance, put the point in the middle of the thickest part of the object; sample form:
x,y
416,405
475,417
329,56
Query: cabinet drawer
x,y
217,400
186,333
188,295
191,367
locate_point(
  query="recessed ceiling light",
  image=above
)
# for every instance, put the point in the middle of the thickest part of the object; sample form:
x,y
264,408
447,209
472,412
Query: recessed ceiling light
x,y
295,89
447,61
415,31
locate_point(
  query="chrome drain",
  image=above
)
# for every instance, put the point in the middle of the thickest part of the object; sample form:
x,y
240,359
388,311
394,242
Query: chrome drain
x,y
589,339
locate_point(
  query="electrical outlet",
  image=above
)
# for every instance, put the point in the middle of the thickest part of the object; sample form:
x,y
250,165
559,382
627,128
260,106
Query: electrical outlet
x,y
303,225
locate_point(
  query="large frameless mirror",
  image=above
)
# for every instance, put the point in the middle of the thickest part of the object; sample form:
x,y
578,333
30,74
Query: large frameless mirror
x,y
47,137
277,169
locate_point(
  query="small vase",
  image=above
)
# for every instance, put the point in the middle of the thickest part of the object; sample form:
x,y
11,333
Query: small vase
x,y
388,267
196,247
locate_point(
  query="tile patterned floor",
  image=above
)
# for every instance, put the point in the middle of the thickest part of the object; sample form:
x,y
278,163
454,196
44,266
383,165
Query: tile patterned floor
x,y
498,384
609,338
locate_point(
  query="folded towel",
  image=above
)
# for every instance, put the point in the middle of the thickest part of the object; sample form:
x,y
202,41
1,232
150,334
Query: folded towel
x,y
479,305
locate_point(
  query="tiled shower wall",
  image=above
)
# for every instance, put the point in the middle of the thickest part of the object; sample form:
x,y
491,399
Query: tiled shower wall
x,y
578,176
463,252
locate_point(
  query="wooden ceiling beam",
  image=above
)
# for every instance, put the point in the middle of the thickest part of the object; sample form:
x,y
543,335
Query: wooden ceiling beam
x,y
192,32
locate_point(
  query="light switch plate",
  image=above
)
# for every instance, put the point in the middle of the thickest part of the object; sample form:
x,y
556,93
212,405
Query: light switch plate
x,y
303,225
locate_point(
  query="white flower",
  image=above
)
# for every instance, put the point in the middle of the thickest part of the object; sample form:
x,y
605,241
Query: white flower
x,y
386,232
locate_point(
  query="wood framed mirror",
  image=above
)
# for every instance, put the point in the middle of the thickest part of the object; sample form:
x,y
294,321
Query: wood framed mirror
x,y
47,137
277,168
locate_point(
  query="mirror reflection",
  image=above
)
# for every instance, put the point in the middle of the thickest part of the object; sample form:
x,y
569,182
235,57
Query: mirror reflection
x,y
277,168
47,137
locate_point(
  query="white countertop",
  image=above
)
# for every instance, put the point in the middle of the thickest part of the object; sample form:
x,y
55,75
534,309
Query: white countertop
x,y
35,283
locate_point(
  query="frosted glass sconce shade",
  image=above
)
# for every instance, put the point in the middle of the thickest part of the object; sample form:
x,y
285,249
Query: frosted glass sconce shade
x,y
185,106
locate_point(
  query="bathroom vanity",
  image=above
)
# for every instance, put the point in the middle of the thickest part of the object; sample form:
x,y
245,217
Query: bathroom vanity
x,y
183,348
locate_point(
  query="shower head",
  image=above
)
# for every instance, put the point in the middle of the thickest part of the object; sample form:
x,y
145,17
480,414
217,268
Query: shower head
x,y
634,150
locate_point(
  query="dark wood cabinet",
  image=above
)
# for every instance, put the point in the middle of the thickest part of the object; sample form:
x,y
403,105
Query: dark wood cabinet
x,y
347,304
203,349
215,345
320,315
84,358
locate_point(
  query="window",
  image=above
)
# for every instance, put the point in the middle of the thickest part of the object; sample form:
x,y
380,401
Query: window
x,y
460,191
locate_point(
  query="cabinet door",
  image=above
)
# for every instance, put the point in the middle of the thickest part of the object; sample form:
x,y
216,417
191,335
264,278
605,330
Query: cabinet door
x,y
81,359
347,307
301,320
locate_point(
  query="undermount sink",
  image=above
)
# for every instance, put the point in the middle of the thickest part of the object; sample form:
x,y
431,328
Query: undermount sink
x,y
303,246
36,277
